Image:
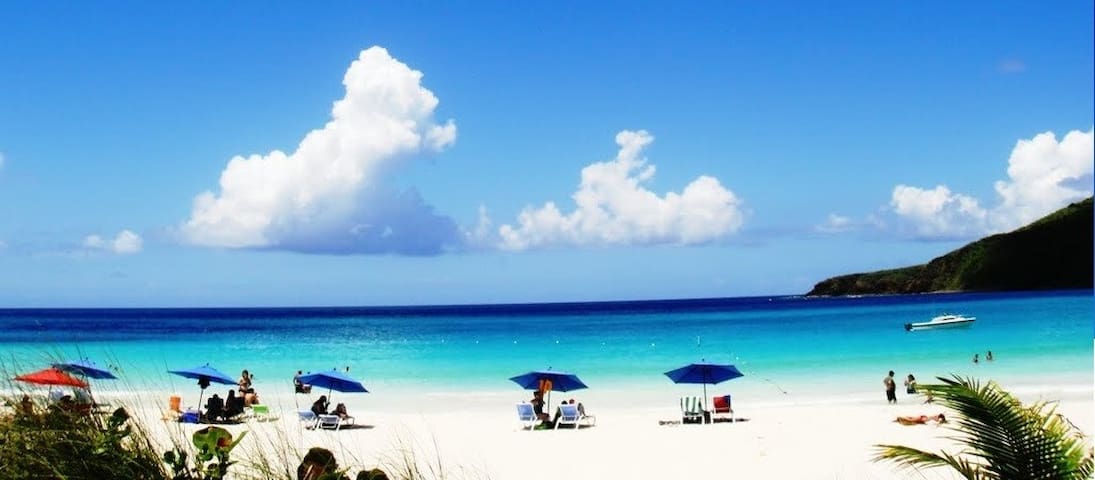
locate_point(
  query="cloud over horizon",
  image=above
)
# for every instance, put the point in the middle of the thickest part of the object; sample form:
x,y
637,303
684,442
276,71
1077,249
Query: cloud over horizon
x,y
330,195
613,207
1044,174
124,243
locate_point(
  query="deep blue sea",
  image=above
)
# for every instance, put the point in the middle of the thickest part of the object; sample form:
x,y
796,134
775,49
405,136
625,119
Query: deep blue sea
x,y
780,343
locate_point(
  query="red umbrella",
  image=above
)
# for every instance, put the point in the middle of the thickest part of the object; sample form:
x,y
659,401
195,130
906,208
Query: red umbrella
x,y
52,376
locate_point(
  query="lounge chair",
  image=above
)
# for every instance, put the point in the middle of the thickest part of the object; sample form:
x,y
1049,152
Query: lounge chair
x,y
692,410
527,415
261,413
568,415
334,422
307,418
721,408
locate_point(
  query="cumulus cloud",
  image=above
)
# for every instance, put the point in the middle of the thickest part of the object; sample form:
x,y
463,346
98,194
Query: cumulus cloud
x,y
835,224
1044,174
329,195
124,243
613,207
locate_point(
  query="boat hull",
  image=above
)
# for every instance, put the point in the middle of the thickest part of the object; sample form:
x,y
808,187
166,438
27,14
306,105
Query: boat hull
x,y
935,325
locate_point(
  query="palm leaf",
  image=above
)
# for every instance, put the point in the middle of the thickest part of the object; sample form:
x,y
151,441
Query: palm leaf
x,y
1003,439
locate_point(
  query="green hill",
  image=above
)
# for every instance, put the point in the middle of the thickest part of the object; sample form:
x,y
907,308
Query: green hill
x,y
1054,252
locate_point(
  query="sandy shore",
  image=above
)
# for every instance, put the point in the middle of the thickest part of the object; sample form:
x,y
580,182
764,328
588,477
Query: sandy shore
x,y
476,435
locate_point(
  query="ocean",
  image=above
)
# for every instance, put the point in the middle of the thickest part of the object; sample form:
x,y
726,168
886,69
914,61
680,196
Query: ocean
x,y
787,346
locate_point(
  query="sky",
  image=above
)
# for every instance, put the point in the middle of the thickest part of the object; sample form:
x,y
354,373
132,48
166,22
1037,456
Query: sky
x,y
407,153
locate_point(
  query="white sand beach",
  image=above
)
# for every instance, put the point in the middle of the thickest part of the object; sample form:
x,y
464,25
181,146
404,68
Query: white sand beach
x,y
477,435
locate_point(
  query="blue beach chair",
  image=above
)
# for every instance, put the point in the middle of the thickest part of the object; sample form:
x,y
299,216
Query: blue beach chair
x,y
568,415
527,415
308,419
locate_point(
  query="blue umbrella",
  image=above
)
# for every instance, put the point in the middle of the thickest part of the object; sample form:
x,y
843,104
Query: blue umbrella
x,y
549,380
204,375
705,373
86,368
333,380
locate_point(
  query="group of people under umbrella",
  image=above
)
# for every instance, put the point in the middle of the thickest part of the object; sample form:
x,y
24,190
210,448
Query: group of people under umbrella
x,y
332,380
543,382
73,374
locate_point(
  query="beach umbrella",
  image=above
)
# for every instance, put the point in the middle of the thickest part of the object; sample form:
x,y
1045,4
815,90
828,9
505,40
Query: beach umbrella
x,y
204,375
52,376
548,380
705,373
85,368
333,380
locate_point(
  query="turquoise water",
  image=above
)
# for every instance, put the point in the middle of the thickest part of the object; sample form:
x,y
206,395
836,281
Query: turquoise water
x,y
780,343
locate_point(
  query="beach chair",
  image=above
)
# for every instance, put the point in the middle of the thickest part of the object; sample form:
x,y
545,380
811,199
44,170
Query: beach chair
x,y
692,410
261,413
334,422
527,415
720,408
307,418
568,415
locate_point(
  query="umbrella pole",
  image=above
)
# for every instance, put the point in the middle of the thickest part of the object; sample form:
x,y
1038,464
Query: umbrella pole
x,y
202,392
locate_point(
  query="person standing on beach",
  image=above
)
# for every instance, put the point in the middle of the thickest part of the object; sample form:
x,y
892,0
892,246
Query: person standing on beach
x,y
988,356
976,358
891,388
910,384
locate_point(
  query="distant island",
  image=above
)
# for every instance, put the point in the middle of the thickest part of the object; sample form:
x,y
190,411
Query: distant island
x,y
1054,252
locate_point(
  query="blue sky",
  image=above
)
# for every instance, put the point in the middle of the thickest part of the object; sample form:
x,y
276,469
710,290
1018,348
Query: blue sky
x,y
505,152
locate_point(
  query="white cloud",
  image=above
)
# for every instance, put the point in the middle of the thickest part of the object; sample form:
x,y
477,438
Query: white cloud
x,y
614,208
937,213
1043,175
1,159
329,196
124,243
835,224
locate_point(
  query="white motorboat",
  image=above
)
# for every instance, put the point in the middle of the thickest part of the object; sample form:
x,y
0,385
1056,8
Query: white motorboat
x,y
946,320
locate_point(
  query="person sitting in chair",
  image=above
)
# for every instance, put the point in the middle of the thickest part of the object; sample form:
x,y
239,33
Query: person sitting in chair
x,y
299,386
214,408
233,405
340,410
320,406
538,407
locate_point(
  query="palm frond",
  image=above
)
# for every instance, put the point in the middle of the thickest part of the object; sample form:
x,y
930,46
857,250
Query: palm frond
x,y
1003,438
908,458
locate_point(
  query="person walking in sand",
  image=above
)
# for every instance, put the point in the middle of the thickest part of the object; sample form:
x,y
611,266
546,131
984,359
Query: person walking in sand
x,y
891,388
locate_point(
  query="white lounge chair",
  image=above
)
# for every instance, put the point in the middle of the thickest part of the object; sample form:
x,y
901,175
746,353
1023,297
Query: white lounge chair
x,y
307,418
334,422
570,415
527,415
